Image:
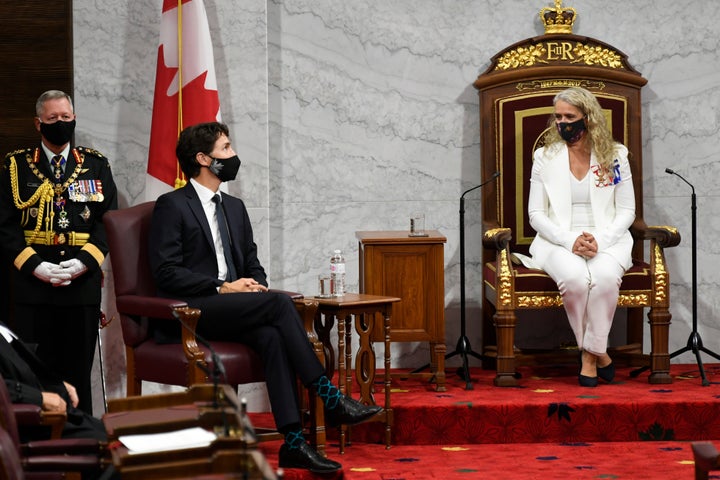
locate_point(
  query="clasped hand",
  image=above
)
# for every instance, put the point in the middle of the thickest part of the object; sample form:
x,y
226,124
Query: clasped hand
x,y
243,285
60,275
585,245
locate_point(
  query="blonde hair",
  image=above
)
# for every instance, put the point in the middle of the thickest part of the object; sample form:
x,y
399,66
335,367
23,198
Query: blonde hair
x,y
599,135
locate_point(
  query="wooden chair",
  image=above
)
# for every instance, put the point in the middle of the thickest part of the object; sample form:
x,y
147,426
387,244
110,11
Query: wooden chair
x,y
186,363
516,94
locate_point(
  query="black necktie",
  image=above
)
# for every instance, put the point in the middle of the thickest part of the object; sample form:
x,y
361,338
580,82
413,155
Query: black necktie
x,y
225,238
58,162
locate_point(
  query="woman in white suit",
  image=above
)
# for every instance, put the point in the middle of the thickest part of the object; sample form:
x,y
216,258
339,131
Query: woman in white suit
x,y
581,205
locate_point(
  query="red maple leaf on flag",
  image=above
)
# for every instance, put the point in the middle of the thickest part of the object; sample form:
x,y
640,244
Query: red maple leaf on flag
x,y
196,70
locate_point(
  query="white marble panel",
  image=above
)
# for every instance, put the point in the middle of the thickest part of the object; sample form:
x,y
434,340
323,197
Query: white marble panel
x,y
350,115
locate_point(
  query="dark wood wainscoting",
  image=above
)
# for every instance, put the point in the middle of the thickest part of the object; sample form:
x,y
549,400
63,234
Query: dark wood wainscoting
x,y
36,40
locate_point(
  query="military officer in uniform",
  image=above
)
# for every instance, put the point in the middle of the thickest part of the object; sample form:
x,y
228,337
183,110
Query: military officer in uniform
x,y
52,200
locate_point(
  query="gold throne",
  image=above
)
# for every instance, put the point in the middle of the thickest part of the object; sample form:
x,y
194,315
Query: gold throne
x,y
516,94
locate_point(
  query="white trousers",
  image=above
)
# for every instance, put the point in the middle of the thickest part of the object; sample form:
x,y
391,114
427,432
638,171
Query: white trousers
x,y
589,290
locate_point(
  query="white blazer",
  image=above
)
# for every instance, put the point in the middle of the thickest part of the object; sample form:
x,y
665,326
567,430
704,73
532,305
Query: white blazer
x,y
550,206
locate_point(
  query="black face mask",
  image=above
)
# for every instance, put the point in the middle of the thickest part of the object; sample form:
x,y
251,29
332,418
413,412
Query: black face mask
x,y
58,133
571,132
225,168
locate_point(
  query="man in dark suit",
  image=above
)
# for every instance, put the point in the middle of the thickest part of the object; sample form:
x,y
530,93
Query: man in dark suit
x,y
202,251
29,380
52,199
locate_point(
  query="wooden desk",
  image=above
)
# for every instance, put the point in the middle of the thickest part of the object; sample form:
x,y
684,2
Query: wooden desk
x,y
412,268
191,463
363,309
231,453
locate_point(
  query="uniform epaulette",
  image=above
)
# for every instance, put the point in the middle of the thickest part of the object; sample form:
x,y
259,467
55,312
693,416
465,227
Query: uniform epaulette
x,y
16,152
91,151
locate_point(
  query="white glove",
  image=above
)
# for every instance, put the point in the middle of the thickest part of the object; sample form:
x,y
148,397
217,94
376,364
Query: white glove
x,y
52,273
74,267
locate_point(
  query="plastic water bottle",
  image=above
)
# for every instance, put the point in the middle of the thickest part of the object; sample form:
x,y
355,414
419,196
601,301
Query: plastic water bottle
x,y
337,274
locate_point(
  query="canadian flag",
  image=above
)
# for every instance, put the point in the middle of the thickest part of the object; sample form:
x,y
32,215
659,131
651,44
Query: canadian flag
x,y
185,89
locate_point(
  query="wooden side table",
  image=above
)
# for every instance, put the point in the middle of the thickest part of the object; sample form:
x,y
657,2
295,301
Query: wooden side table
x,y
412,268
363,309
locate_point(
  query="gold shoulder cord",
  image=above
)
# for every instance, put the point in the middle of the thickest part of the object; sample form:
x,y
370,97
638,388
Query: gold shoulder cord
x,y
44,193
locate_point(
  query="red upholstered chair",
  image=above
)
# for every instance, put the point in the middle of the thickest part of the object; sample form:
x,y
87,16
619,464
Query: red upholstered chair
x,y
179,364
56,455
10,467
516,94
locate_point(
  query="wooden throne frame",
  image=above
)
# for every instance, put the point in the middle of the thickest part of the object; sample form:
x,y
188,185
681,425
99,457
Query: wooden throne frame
x,y
516,93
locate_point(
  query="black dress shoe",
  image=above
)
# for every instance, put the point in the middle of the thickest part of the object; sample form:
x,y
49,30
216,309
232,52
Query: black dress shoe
x,y
586,381
607,372
306,458
349,412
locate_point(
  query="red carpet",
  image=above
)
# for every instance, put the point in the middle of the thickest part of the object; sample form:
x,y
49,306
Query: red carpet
x,y
548,427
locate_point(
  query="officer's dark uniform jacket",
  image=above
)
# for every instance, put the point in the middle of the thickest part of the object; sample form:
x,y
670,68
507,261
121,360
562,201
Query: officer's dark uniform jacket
x,y
41,220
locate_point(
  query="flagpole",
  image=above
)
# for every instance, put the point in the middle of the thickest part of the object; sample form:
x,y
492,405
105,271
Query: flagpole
x,y
178,179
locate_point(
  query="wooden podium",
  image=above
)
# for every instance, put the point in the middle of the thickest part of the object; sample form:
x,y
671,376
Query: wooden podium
x,y
233,452
412,268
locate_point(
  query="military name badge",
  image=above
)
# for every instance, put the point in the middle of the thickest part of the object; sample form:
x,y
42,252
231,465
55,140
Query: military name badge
x,y
86,191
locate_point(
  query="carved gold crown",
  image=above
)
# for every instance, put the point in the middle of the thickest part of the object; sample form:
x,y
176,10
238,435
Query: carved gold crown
x,y
559,19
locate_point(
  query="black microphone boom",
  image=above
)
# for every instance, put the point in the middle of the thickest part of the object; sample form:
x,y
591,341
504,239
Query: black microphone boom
x,y
694,343
463,347
217,371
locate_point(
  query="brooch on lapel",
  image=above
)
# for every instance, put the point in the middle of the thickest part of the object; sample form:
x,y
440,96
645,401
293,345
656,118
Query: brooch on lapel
x,y
605,178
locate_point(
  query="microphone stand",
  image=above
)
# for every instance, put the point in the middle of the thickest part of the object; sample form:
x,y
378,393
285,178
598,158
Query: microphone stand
x,y
218,370
694,343
463,347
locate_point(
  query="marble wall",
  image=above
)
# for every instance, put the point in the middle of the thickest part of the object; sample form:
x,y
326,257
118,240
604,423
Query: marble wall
x,y
350,115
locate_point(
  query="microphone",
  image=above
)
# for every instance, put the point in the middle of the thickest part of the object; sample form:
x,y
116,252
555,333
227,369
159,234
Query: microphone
x,y
492,177
673,172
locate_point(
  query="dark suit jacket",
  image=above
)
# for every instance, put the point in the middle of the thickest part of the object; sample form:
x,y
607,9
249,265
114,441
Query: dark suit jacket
x,y
26,376
182,252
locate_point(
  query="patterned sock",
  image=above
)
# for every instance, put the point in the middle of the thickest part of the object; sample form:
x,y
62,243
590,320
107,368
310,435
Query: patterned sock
x,y
294,439
328,392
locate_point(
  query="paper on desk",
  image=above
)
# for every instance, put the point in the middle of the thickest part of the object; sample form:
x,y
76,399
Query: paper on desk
x,y
160,442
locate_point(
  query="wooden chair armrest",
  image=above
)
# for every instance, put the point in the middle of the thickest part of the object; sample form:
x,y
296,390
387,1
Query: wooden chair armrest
x,y
28,415
307,308
293,295
664,236
497,238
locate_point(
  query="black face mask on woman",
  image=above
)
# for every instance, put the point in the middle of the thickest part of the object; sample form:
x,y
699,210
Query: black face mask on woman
x,y
225,168
571,132
58,133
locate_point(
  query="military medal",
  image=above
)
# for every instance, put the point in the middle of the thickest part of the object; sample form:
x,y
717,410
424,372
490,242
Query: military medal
x,y
61,239
86,191
63,221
